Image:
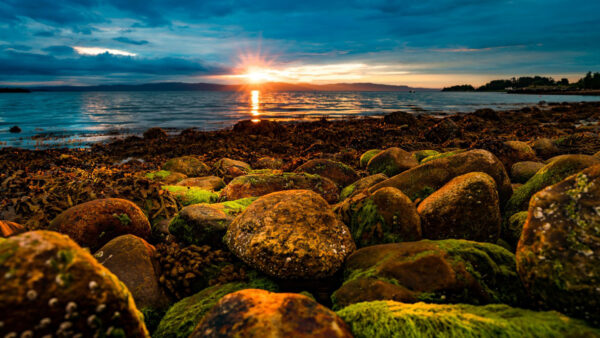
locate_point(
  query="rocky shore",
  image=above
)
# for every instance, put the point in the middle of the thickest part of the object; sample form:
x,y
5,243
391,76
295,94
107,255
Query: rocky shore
x,y
471,225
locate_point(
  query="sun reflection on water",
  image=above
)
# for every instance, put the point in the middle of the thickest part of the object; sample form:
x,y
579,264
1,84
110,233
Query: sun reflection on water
x,y
255,104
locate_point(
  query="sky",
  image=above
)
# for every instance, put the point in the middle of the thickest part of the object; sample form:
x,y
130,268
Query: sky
x,y
422,43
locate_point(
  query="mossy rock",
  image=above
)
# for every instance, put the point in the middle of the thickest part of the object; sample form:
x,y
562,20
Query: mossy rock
x,y
555,171
212,183
361,185
558,255
188,165
517,151
467,207
338,172
447,271
395,319
421,181
422,154
256,185
183,316
268,163
53,286
441,155
229,168
191,195
391,161
165,176
514,228
521,172
544,148
385,216
367,156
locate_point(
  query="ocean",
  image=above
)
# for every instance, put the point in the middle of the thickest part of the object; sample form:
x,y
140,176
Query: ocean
x,y
78,119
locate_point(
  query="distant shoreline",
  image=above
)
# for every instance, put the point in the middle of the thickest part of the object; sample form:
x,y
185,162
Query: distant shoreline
x,y
594,92
14,90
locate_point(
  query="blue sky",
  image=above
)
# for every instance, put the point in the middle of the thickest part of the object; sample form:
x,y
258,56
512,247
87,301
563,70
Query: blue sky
x,y
421,43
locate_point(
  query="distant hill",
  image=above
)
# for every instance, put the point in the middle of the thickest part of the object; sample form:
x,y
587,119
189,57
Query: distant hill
x,y
271,86
459,88
14,90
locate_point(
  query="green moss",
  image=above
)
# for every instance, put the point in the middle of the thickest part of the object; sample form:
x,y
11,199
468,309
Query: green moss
x,y
422,154
192,195
347,191
423,193
152,318
233,208
123,218
515,227
181,318
161,174
394,319
367,156
441,155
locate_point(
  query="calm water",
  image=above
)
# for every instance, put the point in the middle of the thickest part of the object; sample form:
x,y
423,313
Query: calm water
x,y
80,118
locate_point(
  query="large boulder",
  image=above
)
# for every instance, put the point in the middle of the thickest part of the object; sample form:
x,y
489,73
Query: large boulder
x,y
420,155
517,151
8,228
183,316
421,181
558,255
521,172
367,156
256,185
268,162
212,183
259,313
188,165
448,271
165,176
385,216
92,224
544,148
229,168
133,261
360,185
391,161
467,207
555,171
290,234
394,319
338,172
51,286
191,195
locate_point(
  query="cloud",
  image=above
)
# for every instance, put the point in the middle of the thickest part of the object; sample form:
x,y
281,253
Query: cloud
x,y
101,50
60,50
129,41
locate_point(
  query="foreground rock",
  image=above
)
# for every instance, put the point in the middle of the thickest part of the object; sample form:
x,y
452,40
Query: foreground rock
x,y
517,151
460,320
521,172
165,176
259,313
367,156
385,216
361,185
212,183
268,163
188,165
421,181
290,234
191,195
229,168
558,256
544,148
180,320
338,172
467,207
51,286
8,228
449,271
93,224
391,161
133,261
256,185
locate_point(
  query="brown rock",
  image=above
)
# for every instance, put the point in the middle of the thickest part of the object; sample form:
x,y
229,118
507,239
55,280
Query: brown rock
x,y
93,224
212,183
521,172
544,148
391,161
8,228
338,172
229,168
268,163
259,313
188,165
290,234
444,130
360,185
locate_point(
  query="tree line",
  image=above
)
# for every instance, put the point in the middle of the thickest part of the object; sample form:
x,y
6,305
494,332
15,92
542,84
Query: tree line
x,y
589,81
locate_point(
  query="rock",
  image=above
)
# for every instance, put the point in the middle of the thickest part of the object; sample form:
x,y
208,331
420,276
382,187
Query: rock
x,y
447,271
391,161
155,133
385,216
441,155
268,163
338,172
544,148
8,228
134,262
15,129
443,131
256,185
421,154
212,183
552,173
262,127
51,286
229,168
487,114
206,223
92,224
394,319
290,234
521,172
361,185
183,316
191,195
518,152
558,255
367,156
421,181
165,176
512,233
467,207
259,313
188,165
400,118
